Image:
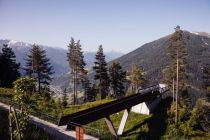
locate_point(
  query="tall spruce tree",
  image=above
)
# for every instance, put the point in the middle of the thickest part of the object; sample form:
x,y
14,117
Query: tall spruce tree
x,y
71,57
177,53
75,58
117,79
177,70
81,63
39,67
101,74
9,68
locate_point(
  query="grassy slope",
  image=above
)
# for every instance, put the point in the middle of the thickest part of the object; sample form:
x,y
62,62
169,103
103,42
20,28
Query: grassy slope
x,y
76,108
137,127
147,127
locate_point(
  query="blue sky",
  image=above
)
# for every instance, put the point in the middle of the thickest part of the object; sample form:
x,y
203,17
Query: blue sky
x,y
119,25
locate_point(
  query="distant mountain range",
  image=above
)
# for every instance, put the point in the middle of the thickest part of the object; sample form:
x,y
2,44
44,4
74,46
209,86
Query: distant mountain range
x,y
57,56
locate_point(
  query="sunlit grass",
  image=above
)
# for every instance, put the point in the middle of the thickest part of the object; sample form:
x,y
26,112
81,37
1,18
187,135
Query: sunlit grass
x,y
75,108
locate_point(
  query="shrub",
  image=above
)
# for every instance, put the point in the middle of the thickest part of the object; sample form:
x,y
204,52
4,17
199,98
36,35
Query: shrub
x,y
200,118
6,92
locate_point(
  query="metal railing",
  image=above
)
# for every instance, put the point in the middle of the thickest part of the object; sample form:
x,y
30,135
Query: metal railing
x,y
152,88
36,113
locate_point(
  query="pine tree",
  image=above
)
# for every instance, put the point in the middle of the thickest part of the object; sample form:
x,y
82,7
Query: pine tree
x,y
177,53
89,92
39,67
93,92
76,62
64,99
101,75
117,79
71,56
9,68
177,69
81,63
136,77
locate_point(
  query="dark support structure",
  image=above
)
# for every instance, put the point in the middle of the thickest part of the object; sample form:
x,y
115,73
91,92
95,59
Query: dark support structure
x,y
102,111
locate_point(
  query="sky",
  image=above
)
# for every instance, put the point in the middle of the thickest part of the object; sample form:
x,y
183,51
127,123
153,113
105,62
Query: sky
x,y
119,25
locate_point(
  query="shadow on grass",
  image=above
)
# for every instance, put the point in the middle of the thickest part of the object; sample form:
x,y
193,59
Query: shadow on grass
x,y
156,124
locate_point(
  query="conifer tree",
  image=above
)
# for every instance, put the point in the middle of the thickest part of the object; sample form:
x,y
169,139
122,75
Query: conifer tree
x,y
9,68
39,67
101,74
64,99
177,53
136,77
177,70
89,92
71,56
117,79
76,62
81,63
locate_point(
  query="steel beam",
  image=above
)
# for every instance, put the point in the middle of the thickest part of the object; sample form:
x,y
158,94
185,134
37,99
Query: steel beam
x,y
95,113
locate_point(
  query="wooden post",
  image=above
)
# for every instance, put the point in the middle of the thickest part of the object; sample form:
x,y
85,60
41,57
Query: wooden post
x,y
10,123
79,133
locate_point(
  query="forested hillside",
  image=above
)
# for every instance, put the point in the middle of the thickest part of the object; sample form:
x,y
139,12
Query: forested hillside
x,y
154,59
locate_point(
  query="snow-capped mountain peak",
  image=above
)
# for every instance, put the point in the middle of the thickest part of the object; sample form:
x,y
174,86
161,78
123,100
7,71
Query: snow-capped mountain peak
x,y
202,34
17,44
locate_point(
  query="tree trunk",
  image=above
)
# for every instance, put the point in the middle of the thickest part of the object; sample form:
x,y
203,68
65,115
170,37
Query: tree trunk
x,y
74,84
39,84
177,86
100,81
173,92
